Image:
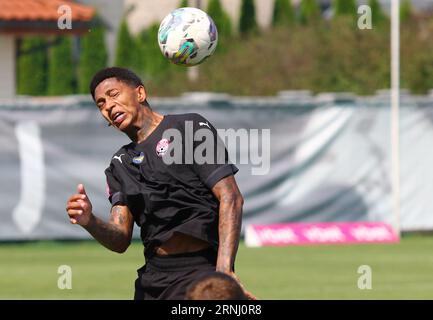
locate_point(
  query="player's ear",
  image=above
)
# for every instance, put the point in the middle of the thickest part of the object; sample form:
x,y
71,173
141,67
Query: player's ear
x,y
141,94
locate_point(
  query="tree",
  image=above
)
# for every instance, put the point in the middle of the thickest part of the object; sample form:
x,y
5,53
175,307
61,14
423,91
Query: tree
x,y
247,23
419,76
60,67
345,7
220,17
283,13
405,10
377,15
153,63
309,12
126,49
183,4
32,67
93,57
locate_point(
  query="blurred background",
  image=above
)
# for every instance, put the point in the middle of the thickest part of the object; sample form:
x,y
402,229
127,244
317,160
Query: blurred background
x,y
301,68
311,45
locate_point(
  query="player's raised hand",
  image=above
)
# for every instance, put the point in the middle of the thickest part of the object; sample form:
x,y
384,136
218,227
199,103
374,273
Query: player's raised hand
x,y
79,207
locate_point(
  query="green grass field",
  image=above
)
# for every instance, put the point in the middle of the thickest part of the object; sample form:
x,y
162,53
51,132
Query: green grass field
x,y
400,271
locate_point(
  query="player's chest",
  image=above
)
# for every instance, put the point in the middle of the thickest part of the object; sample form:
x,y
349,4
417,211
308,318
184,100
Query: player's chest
x,y
152,165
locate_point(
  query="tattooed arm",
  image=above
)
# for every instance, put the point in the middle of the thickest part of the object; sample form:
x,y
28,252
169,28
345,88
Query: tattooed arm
x,y
230,221
115,234
229,227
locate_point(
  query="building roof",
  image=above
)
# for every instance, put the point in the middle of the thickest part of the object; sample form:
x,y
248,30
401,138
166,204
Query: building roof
x,y
33,16
42,10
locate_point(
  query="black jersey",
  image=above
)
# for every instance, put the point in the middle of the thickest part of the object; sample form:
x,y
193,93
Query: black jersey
x,y
167,198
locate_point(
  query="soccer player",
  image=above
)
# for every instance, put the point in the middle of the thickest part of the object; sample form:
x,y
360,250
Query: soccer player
x,y
190,214
215,286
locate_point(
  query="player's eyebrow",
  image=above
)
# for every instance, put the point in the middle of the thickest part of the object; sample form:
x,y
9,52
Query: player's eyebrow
x,y
109,91
101,99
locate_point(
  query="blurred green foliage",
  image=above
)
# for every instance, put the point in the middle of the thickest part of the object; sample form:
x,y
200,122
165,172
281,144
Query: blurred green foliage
x,y
220,17
247,21
127,48
345,7
309,12
32,67
222,21
378,16
61,70
405,10
93,57
319,55
330,58
416,59
283,13
152,63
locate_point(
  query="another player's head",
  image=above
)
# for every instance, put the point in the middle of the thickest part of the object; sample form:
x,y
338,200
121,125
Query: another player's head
x,y
215,286
119,94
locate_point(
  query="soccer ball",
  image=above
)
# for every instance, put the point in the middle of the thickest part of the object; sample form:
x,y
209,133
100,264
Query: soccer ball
x,y
187,36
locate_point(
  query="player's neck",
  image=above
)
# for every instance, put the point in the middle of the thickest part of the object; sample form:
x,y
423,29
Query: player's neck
x,y
148,121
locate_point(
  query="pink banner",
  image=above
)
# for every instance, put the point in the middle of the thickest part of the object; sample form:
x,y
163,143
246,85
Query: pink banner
x,y
319,233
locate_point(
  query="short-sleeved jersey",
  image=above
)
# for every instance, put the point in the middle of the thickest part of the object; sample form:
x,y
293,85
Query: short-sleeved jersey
x,y
165,189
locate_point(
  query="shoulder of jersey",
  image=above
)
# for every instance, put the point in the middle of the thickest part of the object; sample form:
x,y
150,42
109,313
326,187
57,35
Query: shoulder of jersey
x,y
119,154
187,116
182,118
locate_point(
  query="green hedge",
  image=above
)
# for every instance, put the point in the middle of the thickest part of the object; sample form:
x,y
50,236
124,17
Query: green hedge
x,y
309,12
320,55
378,16
345,7
61,70
327,56
152,62
93,57
220,17
127,48
283,13
405,10
247,21
32,67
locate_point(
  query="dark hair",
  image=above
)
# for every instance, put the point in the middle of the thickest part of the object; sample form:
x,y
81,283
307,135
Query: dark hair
x,y
215,286
121,74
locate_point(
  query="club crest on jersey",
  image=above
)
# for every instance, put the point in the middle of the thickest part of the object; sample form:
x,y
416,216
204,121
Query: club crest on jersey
x,y
162,147
138,159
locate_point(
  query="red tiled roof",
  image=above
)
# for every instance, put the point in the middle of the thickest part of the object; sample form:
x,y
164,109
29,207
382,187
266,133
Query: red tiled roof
x,y
42,10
